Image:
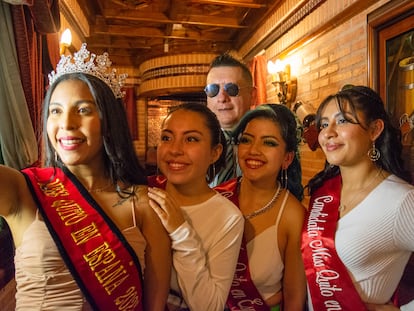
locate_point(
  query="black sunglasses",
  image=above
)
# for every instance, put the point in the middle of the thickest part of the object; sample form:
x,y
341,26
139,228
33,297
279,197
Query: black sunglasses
x,y
231,89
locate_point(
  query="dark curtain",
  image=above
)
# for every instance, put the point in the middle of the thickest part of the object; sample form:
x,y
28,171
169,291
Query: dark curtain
x,y
131,111
18,141
37,43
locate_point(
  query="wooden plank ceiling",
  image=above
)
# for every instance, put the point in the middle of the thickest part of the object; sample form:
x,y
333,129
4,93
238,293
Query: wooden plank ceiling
x,y
133,31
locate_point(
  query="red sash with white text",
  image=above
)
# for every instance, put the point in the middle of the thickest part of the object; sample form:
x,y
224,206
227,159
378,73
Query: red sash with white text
x,y
243,293
104,266
330,286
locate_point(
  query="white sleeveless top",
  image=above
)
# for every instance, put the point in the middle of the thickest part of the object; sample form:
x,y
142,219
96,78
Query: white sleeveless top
x,y
265,262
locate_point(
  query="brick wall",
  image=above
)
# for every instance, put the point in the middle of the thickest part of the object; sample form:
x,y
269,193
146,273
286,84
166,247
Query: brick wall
x,y
141,143
322,66
325,64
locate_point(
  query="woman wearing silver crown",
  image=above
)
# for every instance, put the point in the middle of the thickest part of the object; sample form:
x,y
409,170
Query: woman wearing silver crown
x,y
85,236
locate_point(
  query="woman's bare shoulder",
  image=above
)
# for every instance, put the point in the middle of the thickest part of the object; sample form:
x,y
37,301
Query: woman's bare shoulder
x,y
295,205
294,212
142,201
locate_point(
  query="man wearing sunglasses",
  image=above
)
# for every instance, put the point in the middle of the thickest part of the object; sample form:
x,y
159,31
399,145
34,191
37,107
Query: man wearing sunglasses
x,y
230,94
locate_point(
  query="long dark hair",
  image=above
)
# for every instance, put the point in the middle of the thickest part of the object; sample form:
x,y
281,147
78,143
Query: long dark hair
x,y
366,101
121,161
217,136
285,120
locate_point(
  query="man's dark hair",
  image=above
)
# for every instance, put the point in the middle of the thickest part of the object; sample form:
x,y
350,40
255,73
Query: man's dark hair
x,y
228,60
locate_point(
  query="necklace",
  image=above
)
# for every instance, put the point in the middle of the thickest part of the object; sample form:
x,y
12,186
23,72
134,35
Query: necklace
x,y
343,206
266,207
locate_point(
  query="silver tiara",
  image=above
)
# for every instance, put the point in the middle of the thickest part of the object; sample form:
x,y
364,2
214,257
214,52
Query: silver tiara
x,y
84,61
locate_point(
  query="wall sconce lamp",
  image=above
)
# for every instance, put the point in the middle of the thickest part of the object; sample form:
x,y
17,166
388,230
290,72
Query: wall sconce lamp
x,y
65,41
285,84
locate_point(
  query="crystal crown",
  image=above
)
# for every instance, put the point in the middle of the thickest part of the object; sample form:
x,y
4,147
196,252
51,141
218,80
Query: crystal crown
x,y
84,61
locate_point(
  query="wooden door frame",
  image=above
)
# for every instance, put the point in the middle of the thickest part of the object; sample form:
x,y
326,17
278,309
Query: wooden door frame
x,y
385,23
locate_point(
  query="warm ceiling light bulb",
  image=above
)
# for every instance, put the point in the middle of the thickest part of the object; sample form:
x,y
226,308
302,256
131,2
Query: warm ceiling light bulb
x,y
279,65
66,38
271,68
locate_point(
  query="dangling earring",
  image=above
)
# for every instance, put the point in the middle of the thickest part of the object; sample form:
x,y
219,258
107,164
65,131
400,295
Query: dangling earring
x,y
284,178
211,172
56,157
374,154
236,162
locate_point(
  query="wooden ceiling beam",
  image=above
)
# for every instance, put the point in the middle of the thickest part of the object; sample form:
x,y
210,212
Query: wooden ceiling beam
x,y
225,22
159,18
242,4
131,15
133,31
151,32
121,43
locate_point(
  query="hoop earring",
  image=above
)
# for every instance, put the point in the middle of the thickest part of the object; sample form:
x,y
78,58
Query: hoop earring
x,y
284,178
374,154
